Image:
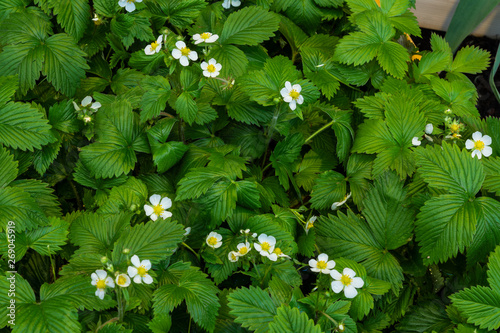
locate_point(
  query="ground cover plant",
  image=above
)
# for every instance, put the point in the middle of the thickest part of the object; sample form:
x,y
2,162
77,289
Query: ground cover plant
x,y
242,166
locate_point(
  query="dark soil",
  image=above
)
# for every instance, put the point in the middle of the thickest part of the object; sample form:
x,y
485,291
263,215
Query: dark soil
x,y
487,103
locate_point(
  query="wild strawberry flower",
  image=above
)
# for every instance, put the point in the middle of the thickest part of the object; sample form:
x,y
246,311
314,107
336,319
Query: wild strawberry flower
x,y
336,205
228,3
86,102
154,47
183,53
158,207
415,141
310,223
481,145
291,94
211,69
233,256
122,280
347,282
206,37
322,265
266,246
214,240
128,4
139,272
101,280
243,248
277,253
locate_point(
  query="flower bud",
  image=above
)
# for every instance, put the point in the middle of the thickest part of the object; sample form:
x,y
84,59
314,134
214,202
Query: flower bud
x,y
126,251
104,260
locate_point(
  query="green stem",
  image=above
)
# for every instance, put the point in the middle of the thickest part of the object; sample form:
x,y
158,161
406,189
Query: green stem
x,y
256,269
319,131
190,249
331,319
268,269
52,264
121,309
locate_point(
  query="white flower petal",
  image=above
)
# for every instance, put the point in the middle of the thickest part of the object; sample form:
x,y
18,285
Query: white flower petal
x,y
429,128
166,215
330,264
285,93
212,61
218,67
122,3
487,151
109,282
101,274
216,246
204,65
100,293
273,257
158,49
335,274
154,217
130,7
226,4
323,257
138,279
314,269
155,199
271,240
288,99
147,279
350,291
288,85
236,3
486,140
212,38
95,105
415,141
357,282
135,260
476,136
149,50
180,45
469,144
176,53
297,87
86,101
197,37
166,203
474,153
159,39
257,247
206,73
138,0
300,100
349,272
131,271
262,238
337,286
313,263
148,210
193,55
184,61
293,105
147,264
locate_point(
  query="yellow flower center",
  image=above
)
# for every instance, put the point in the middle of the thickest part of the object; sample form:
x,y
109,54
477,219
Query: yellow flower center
x,y
141,270
185,51
277,251
233,256
154,45
345,279
212,241
265,246
321,264
309,225
205,35
122,280
454,127
294,94
479,145
211,68
243,250
158,209
101,284
456,135
129,1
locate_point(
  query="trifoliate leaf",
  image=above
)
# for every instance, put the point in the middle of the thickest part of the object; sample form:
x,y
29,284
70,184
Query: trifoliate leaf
x,y
470,60
249,26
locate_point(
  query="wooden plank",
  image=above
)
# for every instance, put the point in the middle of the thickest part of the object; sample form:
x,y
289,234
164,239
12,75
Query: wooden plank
x,y
436,15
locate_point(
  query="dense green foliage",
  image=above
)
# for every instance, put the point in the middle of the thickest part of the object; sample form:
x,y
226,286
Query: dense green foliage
x,y
269,166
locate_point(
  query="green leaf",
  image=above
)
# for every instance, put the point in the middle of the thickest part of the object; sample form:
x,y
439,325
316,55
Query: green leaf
x,y
471,60
197,182
186,107
433,62
72,15
155,98
492,178
45,240
233,60
249,26
160,324
450,169
240,109
393,58
312,164
283,155
445,225
8,87
253,308
166,155
24,294
42,193
83,176
43,158
129,26
17,205
126,197
487,235
305,13
62,116
179,13
199,293
23,127
480,305
328,188
152,241
427,317
220,200
107,8
290,320
96,233
8,167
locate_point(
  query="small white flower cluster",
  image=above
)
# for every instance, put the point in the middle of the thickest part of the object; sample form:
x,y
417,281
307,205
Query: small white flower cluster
x,y
138,272
86,109
346,280
266,246
228,3
158,207
429,128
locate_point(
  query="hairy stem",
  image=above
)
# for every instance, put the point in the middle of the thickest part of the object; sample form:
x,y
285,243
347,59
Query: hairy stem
x,y
319,131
